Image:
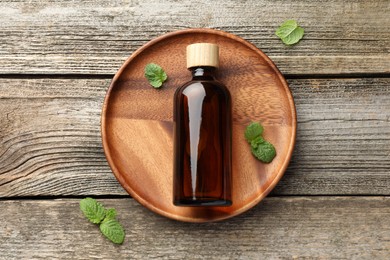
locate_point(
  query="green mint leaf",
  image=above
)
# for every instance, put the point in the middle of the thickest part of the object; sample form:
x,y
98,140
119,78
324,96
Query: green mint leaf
x,y
257,141
93,210
155,74
252,131
294,37
286,28
289,32
263,150
113,231
110,214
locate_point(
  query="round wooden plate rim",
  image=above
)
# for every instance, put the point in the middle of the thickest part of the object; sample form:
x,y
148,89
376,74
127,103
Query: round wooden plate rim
x,y
145,203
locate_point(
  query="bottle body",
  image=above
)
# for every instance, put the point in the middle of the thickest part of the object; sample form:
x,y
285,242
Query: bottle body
x,y
202,166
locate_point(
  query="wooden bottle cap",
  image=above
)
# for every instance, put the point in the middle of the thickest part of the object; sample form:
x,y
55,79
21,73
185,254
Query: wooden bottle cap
x,y
202,54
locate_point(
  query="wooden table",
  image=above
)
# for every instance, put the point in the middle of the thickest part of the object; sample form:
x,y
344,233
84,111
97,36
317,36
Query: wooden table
x,y
57,59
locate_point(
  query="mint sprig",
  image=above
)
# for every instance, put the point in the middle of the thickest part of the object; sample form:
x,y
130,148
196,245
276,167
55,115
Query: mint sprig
x,y
261,149
155,75
106,219
289,32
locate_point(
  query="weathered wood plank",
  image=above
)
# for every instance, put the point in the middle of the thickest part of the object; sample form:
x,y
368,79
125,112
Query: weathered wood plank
x,y
326,228
96,36
50,141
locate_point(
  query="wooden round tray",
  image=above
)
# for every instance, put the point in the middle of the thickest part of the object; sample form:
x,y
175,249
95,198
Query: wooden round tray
x,y
137,126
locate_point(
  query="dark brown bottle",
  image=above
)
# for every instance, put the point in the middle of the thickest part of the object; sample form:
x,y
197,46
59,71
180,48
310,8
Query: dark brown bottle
x,y
203,125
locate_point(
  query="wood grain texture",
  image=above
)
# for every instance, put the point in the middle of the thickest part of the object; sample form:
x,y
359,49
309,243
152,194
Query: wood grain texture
x,y
50,141
302,228
61,37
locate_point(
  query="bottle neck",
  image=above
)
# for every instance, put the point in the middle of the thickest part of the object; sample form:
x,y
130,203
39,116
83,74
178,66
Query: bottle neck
x,y
202,73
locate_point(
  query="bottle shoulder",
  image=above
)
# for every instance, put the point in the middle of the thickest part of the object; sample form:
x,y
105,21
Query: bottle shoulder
x,y
208,85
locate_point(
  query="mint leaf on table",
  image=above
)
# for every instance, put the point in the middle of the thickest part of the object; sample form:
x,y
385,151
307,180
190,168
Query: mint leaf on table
x,y
113,230
155,75
110,214
93,210
253,130
261,149
105,218
289,32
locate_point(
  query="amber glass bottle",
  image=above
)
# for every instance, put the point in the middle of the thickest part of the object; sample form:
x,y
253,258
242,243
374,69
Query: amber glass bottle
x,y
203,125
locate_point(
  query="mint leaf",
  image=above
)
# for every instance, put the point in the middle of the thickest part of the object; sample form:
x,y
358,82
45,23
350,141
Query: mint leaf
x,y
155,74
263,150
294,37
252,131
257,141
97,214
110,214
286,28
113,231
93,210
289,32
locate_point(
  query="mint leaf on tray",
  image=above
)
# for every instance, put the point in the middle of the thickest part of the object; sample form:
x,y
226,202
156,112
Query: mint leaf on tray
x,y
252,131
155,75
260,148
263,150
